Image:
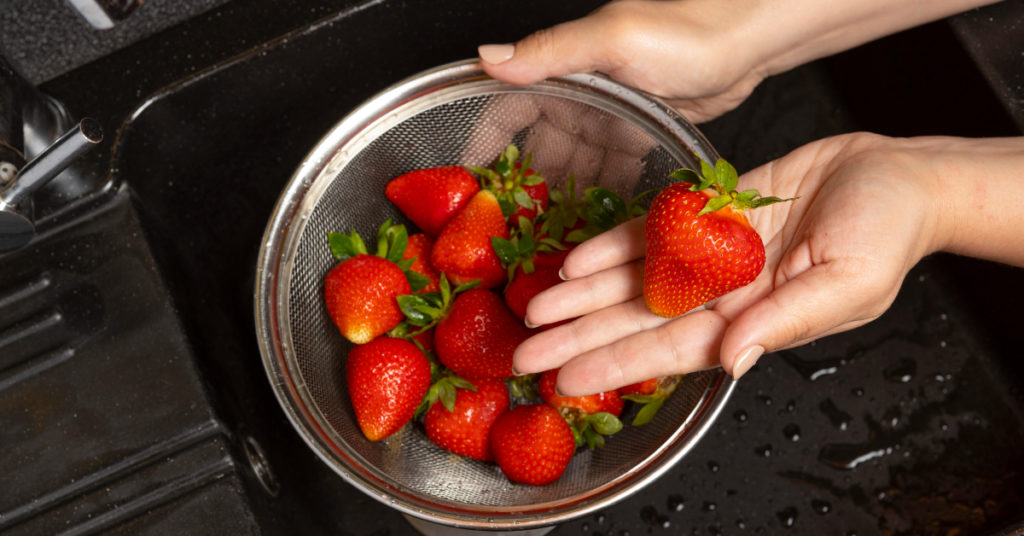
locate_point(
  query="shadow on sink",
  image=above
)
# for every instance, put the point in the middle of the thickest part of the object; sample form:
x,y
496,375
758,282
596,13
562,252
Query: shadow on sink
x,y
923,405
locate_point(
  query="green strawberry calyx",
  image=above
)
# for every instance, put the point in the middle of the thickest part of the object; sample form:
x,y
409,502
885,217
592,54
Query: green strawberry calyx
x,y
392,240
722,179
520,248
650,404
424,310
507,179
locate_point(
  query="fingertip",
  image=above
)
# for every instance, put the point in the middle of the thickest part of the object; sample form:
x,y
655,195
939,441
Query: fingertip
x,y
742,362
493,54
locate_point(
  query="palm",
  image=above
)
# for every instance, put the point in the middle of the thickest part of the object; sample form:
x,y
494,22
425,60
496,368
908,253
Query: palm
x,y
831,251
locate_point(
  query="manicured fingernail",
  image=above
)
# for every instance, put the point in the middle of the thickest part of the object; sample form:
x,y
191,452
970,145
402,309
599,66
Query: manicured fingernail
x,y
495,54
529,324
561,274
745,360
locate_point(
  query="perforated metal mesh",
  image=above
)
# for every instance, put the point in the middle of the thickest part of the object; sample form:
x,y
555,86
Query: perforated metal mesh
x,y
568,131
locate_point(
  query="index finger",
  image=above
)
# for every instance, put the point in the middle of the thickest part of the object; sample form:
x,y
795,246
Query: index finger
x,y
617,246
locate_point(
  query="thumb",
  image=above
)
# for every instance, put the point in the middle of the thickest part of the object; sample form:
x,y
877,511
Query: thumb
x,y
570,47
823,300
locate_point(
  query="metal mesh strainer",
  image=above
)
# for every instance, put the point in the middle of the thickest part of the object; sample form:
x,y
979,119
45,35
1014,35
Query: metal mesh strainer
x,y
605,133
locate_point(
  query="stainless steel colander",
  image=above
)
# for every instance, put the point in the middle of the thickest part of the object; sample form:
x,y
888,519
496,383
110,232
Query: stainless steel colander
x,y
605,133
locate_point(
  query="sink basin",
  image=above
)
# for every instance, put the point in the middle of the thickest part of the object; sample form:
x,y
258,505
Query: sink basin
x,y
911,424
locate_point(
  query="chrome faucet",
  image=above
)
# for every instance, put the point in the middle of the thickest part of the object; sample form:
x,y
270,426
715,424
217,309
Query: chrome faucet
x,y
32,151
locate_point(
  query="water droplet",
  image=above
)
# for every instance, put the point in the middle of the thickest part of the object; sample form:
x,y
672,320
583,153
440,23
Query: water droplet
x,y
787,517
741,524
740,416
858,392
792,432
820,506
585,527
764,450
901,371
791,406
766,400
840,419
675,503
650,515
709,507
713,466
601,518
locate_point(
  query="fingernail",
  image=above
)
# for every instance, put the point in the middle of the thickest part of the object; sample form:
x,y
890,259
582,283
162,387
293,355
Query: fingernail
x,y
529,324
745,360
495,54
561,274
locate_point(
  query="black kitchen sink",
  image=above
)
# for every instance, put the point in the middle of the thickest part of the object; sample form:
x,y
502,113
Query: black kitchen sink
x,y
133,396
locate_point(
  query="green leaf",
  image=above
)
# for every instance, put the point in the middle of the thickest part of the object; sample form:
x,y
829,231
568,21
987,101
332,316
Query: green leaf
x,y
466,286
593,439
416,309
707,171
416,279
510,154
686,175
764,201
508,206
503,168
604,423
345,246
715,203
533,180
505,249
522,198
647,412
726,175
447,394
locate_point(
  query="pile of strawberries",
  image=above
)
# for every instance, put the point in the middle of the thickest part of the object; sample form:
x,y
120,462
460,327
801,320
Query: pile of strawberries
x,y
436,315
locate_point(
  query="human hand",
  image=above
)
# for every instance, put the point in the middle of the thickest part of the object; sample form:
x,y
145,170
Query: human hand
x,y
678,50
868,208
704,57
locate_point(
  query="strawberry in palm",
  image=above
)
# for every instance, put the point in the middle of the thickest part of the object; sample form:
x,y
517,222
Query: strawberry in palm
x,y
361,291
532,444
699,243
387,379
463,424
430,197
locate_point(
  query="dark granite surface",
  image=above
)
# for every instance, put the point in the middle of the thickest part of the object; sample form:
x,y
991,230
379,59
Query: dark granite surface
x,y
910,425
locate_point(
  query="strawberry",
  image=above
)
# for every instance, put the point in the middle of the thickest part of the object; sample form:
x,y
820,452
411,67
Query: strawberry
x,y
464,426
532,444
463,251
699,244
478,335
431,197
590,417
360,291
651,393
387,378
418,249
524,286
521,192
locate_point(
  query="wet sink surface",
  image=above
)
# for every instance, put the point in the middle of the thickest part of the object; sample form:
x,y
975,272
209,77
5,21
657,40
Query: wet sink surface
x,y
911,424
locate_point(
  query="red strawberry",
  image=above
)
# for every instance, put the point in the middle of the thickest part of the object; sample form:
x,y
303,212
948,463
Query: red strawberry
x,y
478,336
387,378
465,428
361,291
418,249
651,393
606,402
463,251
431,197
532,444
700,245
524,286
645,387
520,193
591,417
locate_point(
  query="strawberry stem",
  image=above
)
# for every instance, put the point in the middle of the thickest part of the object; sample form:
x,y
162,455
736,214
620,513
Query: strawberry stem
x,y
722,179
